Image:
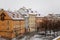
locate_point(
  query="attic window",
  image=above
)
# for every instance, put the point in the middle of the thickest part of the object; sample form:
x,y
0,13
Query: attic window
x,y
39,14
13,15
31,11
17,15
27,10
2,16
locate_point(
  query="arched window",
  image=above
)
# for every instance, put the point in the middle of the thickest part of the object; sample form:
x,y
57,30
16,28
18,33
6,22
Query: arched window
x,y
2,16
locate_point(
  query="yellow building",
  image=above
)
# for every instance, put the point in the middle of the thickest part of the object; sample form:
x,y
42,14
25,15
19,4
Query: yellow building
x,y
32,20
11,26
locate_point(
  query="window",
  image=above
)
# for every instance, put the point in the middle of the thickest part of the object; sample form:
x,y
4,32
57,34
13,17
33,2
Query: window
x,y
2,16
17,15
13,15
31,11
7,25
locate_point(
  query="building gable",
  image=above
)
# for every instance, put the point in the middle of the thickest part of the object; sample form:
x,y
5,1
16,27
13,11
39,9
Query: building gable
x,y
4,15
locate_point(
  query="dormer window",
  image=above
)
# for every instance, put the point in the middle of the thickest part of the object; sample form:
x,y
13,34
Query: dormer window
x,y
17,15
31,11
13,15
2,16
27,10
39,14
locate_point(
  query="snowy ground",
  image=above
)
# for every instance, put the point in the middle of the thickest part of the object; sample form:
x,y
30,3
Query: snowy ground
x,y
3,39
39,37
34,37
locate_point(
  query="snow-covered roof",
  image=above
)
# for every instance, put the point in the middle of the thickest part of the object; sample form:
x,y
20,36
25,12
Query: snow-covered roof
x,y
24,10
21,13
15,15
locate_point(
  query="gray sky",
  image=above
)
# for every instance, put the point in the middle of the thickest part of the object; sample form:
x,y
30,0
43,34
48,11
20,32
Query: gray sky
x,y
42,6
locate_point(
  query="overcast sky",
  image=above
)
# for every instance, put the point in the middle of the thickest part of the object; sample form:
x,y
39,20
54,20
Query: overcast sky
x,y
42,6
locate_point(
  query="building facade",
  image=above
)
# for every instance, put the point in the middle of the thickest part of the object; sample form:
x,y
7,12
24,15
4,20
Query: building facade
x,y
10,26
32,22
